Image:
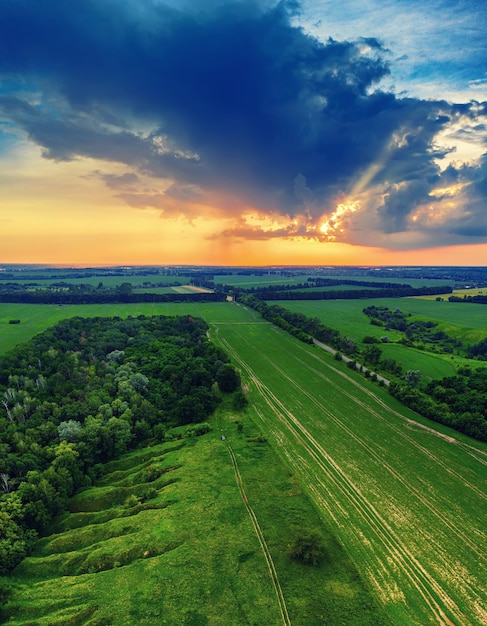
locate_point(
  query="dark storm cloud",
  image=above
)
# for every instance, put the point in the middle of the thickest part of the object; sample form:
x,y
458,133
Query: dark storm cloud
x,y
229,98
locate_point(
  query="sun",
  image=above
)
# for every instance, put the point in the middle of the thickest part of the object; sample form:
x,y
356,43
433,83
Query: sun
x,y
334,225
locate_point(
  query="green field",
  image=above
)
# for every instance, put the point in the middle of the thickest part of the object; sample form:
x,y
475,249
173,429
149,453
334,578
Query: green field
x,y
266,280
405,497
194,554
95,280
414,282
467,322
430,365
37,317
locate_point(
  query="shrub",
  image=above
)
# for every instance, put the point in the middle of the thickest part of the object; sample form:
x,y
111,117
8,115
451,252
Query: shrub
x,y
308,548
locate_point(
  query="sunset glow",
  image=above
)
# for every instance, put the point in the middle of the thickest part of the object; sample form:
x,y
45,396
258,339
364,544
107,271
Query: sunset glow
x,y
300,147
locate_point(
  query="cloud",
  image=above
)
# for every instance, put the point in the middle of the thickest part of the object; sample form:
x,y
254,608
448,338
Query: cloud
x,y
233,104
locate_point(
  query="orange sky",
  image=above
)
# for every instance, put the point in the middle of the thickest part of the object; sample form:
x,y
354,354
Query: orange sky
x,y
58,213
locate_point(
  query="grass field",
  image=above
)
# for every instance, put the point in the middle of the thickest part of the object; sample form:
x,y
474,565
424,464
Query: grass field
x,y
265,280
108,281
430,365
406,497
467,322
414,282
197,553
37,317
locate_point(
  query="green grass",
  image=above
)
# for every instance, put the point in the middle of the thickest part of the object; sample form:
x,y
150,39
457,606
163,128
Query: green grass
x,y
467,322
45,280
37,317
431,366
344,315
404,495
266,280
190,555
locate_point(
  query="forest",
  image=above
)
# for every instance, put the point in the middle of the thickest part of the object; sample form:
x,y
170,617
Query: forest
x,y
87,390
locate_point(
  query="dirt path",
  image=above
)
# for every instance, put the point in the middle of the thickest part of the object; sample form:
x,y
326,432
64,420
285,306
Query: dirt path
x,y
349,360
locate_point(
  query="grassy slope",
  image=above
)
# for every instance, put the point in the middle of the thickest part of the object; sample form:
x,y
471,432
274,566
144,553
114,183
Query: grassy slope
x,y
192,557
408,505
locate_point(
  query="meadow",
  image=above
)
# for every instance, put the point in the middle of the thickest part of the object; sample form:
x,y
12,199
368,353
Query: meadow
x,y
466,322
106,280
265,280
192,554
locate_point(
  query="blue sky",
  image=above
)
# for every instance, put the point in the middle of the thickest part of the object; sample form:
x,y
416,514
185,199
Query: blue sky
x,y
291,130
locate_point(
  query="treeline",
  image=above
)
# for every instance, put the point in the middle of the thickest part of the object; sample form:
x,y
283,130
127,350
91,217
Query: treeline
x,y
459,402
351,294
478,299
310,283
103,297
84,392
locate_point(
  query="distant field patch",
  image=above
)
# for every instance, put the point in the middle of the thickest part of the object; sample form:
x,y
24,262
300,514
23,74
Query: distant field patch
x,y
414,282
430,365
191,289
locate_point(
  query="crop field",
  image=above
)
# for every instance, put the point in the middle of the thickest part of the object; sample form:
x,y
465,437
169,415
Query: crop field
x,y
414,282
266,280
430,365
405,497
107,281
334,288
212,546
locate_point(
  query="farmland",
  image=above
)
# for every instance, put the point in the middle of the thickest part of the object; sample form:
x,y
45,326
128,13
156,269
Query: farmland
x,y
467,323
405,497
35,318
406,501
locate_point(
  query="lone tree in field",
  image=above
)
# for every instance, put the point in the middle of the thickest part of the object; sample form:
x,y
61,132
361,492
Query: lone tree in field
x,y
308,548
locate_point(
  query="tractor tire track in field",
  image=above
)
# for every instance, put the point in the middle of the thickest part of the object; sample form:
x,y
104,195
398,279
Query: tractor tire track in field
x,y
473,452
405,484
394,428
398,553
263,544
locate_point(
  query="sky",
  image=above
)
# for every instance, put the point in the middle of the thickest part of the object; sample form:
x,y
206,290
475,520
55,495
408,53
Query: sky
x,y
227,132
